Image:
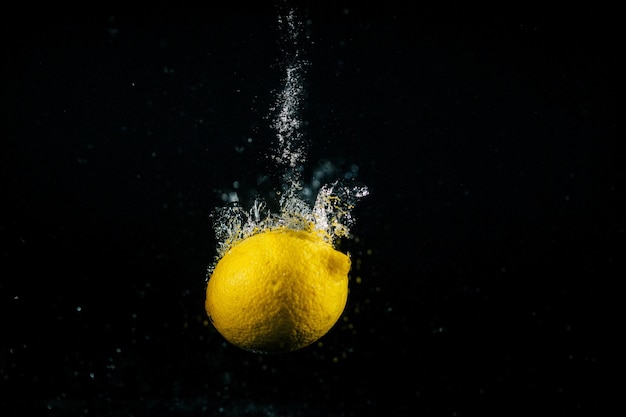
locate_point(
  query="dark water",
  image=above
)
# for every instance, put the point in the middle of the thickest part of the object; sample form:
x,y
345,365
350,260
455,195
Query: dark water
x,y
483,253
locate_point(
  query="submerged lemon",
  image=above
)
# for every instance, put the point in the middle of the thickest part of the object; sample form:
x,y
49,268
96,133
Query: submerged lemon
x,y
278,291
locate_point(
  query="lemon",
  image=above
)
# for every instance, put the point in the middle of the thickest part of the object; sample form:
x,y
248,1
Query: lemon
x,y
278,291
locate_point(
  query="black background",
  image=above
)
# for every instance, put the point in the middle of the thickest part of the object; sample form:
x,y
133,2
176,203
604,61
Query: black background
x,y
484,253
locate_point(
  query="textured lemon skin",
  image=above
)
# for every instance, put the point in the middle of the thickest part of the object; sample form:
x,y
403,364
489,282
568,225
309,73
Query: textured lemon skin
x,y
278,291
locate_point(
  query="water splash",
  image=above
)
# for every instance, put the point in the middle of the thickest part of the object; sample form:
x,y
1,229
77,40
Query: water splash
x,y
330,216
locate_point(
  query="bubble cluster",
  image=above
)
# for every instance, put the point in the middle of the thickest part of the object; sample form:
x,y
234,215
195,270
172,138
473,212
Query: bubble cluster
x,y
290,150
330,216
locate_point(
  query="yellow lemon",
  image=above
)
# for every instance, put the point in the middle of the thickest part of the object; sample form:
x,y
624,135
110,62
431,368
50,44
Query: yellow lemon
x,y
278,291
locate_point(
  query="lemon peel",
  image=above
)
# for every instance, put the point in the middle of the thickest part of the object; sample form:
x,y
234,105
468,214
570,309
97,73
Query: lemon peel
x,y
278,291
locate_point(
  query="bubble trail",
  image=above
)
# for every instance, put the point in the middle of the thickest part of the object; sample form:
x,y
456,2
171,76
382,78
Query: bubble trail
x,y
291,148
330,217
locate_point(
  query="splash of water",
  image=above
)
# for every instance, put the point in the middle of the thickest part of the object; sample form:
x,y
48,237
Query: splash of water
x,y
330,217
